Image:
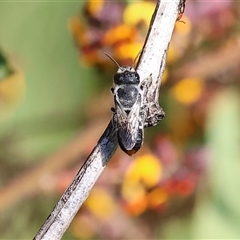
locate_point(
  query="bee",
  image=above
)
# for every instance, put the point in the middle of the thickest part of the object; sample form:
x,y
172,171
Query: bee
x,y
128,113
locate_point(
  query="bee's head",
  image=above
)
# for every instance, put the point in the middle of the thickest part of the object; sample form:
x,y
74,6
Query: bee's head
x,y
125,74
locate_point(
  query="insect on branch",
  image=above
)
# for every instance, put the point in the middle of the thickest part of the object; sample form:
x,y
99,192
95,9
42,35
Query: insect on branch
x,y
150,69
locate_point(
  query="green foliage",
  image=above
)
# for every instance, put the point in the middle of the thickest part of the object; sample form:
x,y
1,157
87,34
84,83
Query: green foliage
x,y
36,38
218,214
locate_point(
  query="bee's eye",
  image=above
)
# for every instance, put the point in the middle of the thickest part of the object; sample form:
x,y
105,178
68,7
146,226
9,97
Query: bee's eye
x,y
117,78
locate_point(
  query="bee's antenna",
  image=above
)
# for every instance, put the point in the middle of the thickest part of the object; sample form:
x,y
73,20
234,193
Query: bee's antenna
x,y
112,59
136,58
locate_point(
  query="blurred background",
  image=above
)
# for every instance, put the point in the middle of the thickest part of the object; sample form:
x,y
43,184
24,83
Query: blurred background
x,y
55,103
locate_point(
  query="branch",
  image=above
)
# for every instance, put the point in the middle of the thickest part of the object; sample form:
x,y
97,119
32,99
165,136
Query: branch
x,y
151,65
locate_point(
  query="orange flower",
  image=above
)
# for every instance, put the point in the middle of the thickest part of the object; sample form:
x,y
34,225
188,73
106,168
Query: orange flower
x,y
136,206
128,51
144,173
120,33
157,197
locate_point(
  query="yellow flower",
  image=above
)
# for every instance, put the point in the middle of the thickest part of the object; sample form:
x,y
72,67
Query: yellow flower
x,y
188,90
12,92
183,27
100,203
87,229
132,190
145,172
12,88
146,169
94,6
137,12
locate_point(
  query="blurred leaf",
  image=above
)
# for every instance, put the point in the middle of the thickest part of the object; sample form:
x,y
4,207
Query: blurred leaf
x,y
218,215
177,228
35,38
224,138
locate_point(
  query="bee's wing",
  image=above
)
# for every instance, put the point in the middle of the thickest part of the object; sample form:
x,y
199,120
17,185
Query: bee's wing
x,y
128,125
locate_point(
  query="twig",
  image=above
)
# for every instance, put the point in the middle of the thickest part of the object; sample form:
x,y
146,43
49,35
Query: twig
x,y
151,63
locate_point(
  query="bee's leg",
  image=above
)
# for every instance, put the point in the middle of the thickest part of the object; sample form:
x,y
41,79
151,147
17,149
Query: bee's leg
x,y
112,90
113,109
114,121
